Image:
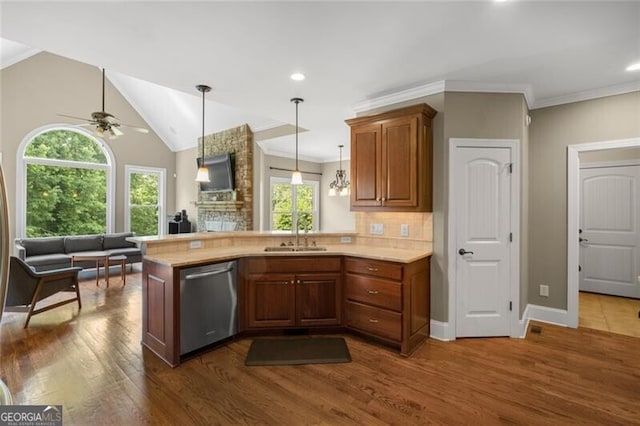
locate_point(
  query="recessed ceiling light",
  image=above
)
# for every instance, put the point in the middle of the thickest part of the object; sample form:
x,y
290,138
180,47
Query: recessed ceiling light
x,y
634,67
297,76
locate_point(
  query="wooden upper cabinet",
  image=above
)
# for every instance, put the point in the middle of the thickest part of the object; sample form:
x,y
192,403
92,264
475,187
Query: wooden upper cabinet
x,y
391,160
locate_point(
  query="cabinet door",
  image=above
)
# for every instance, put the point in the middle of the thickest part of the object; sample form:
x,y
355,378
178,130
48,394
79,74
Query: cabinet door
x,y
366,155
318,299
399,171
270,300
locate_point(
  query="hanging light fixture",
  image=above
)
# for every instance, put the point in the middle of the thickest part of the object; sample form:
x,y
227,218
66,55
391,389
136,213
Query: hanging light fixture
x,y
203,172
340,186
296,176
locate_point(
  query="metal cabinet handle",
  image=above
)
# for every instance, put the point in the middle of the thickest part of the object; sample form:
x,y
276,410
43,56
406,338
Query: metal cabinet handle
x,y
375,321
372,269
292,281
298,282
583,240
462,252
372,291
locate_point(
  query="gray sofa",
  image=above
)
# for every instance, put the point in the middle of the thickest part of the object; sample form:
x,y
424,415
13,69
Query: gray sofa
x,y
49,253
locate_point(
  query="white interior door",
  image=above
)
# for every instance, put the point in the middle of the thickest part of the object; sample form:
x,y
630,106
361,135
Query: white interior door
x,y
482,189
610,237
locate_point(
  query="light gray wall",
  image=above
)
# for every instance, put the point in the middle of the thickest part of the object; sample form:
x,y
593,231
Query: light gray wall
x,y
35,90
474,115
552,130
335,213
187,193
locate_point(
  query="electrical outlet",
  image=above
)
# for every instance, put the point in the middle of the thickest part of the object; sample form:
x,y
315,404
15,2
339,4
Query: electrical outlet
x,y
376,229
195,244
345,239
404,230
544,290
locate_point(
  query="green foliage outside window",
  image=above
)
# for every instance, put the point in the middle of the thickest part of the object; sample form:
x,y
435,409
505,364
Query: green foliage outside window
x,y
63,199
143,199
282,206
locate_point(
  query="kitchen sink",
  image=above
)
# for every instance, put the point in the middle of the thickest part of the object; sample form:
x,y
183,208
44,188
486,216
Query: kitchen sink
x,y
293,248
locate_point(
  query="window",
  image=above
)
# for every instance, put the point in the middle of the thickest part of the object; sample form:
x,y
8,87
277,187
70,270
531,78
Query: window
x,y
144,200
64,184
291,203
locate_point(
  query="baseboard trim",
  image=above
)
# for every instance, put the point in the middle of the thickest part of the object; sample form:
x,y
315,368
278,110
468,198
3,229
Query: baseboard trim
x,y
440,331
543,314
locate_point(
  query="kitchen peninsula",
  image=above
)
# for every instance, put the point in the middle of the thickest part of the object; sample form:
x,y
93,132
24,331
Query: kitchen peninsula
x,y
336,283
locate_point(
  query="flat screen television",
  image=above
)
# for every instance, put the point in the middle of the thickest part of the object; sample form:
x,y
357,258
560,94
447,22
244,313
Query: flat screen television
x,y
221,173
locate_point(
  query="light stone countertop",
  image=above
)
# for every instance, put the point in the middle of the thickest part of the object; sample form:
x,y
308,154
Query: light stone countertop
x,y
219,254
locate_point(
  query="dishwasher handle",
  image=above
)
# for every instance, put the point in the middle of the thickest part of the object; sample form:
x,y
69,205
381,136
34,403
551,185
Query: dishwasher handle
x,y
208,273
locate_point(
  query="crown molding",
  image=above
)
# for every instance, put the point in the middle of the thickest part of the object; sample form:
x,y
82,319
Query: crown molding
x,y
618,89
401,96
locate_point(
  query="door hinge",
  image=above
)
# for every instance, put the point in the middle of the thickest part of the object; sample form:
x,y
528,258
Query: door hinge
x,y
511,306
510,237
510,167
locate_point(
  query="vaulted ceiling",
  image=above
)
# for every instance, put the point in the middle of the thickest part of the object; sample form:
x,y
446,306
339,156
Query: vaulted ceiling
x,y
354,54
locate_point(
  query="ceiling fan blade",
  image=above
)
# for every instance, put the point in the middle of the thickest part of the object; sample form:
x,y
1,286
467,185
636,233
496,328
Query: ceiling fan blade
x,y
74,117
116,131
137,129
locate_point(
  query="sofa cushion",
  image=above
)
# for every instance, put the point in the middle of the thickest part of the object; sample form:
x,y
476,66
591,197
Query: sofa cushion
x,y
112,241
134,254
83,243
49,261
41,246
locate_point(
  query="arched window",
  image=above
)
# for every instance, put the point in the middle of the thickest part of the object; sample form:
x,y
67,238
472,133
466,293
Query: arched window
x,y
65,183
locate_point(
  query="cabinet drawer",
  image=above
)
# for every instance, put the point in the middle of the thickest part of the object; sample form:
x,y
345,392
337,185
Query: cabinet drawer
x,y
377,268
374,291
376,321
294,264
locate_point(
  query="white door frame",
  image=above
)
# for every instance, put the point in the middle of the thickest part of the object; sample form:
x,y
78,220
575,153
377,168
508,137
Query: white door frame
x,y
514,274
573,210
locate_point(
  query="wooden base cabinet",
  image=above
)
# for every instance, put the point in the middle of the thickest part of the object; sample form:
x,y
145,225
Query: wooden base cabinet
x,y
161,310
391,160
388,301
292,292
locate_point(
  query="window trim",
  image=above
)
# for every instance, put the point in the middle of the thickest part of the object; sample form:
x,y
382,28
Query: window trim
x,y
162,208
294,214
21,175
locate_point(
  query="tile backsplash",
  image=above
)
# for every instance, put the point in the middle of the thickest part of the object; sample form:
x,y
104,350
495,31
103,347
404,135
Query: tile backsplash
x,y
420,225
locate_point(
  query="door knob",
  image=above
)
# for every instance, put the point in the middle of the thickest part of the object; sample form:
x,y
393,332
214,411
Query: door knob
x,y
583,240
462,252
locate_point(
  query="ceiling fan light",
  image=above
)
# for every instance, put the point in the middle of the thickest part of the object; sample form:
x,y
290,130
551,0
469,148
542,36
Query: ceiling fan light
x,y
116,131
99,132
112,134
202,175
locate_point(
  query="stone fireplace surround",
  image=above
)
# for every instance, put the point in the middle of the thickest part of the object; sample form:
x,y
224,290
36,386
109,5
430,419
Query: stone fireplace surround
x,y
236,206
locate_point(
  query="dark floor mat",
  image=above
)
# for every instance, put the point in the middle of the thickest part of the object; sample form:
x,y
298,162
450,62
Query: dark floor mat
x,y
296,351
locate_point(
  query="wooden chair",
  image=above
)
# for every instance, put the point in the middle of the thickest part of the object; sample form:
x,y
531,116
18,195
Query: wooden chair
x,y
27,287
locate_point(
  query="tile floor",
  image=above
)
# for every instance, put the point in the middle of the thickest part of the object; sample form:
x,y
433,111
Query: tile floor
x,y
610,313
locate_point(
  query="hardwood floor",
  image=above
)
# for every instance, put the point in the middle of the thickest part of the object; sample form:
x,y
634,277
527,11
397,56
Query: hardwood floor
x,y
92,363
610,313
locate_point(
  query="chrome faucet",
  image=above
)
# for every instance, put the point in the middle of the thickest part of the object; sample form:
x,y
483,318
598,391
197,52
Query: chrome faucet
x,y
297,232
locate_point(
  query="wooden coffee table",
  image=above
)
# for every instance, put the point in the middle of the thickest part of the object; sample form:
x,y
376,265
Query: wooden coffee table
x,y
102,258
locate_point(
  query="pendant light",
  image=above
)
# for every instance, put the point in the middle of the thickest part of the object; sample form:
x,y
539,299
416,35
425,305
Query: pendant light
x,y
203,172
296,176
340,186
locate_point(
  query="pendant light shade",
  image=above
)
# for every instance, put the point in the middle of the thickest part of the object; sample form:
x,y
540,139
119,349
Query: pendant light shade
x,y
296,176
340,186
203,171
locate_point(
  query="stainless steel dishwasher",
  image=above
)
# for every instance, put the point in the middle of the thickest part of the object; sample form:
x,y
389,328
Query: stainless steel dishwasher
x,y
208,305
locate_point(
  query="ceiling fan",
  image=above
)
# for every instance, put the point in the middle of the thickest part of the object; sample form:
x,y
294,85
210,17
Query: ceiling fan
x,y
104,122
